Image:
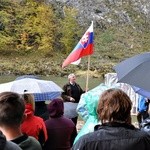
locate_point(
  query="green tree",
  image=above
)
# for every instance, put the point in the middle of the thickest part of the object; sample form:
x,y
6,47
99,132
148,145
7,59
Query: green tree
x,y
36,31
6,19
69,29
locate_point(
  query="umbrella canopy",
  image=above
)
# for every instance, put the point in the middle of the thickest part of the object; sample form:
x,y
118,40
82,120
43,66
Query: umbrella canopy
x,y
28,76
34,86
41,96
135,71
141,91
70,109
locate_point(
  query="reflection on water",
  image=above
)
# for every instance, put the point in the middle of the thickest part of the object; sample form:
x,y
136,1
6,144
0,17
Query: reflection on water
x,y
93,82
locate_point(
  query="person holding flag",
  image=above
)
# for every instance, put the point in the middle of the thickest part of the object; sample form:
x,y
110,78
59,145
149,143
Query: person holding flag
x,y
72,93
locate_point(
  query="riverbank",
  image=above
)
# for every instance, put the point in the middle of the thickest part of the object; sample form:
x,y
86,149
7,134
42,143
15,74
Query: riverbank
x,y
46,66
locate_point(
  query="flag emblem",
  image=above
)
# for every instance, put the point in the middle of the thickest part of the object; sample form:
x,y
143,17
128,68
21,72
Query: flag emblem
x,y
85,40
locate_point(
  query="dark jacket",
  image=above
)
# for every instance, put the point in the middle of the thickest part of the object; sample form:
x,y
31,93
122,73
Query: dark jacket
x,y
61,131
41,110
27,143
7,145
145,125
68,92
114,136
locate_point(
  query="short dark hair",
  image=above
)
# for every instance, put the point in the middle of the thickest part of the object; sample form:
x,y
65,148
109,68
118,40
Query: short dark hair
x,y
114,106
12,108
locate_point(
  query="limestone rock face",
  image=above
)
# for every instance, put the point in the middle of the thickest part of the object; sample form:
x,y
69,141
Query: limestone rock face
x,y
107,11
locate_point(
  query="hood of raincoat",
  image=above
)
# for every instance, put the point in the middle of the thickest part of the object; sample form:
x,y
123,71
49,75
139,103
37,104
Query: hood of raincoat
x,y
29,110
56,108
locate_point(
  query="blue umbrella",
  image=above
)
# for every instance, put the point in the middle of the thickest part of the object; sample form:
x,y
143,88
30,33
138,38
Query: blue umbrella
x,y
141,91
46,96
135,71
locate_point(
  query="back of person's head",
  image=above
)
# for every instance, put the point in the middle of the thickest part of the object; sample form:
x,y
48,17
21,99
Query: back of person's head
x,y
29,99
56,108
114,106
11,109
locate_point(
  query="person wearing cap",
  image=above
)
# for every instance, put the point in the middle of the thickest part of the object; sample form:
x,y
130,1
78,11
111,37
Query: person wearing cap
x,y
61,130
72,92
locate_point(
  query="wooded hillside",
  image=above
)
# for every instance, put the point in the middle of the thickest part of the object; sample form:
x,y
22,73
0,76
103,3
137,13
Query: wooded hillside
x,y
37,35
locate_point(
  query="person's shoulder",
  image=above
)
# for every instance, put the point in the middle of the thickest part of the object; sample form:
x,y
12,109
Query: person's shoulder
x,y
68,120
33,140
66,84
79,87
77,84
89,136
39,119
143,133
11,146
83,140
32,143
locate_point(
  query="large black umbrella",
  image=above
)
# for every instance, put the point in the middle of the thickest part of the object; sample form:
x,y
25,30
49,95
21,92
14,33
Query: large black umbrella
x,y
135,71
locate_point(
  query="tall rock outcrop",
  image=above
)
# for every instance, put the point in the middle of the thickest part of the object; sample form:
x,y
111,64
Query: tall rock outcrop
x,y
108,11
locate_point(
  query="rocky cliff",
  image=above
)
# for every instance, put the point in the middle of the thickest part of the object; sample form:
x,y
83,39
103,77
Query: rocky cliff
x,y
108,11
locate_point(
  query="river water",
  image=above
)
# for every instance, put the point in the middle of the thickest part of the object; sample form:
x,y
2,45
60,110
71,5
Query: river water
x,y
93,82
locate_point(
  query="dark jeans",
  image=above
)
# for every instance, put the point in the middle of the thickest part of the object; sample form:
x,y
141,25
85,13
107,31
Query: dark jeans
x,y
142,116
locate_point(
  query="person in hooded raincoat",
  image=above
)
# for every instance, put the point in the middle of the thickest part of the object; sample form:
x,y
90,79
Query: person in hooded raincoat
x,y
61,130
33,125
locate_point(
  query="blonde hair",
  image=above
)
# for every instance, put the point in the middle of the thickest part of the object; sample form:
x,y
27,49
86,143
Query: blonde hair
x,y
71,75
29,99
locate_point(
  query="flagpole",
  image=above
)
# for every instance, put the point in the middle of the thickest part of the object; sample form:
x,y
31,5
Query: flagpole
x,y
88,70
87,77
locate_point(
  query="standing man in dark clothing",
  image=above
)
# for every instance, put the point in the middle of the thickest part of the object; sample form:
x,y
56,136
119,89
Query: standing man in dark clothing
x,y
72,92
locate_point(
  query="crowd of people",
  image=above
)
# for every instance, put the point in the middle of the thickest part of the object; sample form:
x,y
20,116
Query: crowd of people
x,y
21,127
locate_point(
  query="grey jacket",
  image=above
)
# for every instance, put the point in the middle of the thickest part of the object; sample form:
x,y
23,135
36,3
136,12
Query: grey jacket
x,y
7,145
27,143
10,146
